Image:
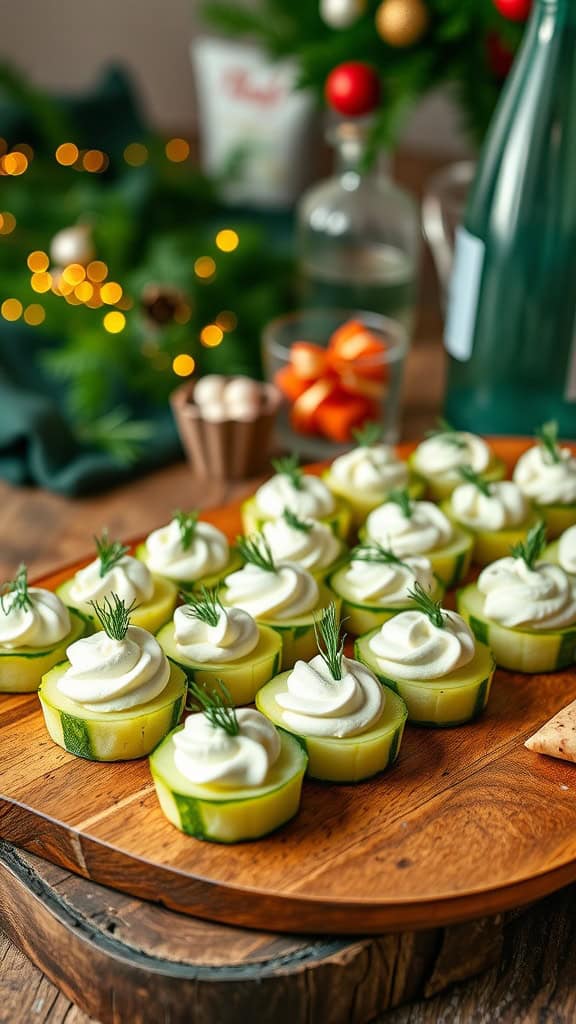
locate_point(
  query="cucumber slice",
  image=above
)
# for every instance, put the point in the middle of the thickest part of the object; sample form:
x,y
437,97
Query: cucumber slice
x,y
520,650
558,518
362,504
360,618
22,668
339,521
439,488
117,735
451,563
457,698
243,677
225,816
298,636
233,564
489,545
150,615
349,759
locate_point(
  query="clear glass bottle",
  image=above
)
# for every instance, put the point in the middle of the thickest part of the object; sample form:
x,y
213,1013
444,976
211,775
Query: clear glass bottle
x,y
358,235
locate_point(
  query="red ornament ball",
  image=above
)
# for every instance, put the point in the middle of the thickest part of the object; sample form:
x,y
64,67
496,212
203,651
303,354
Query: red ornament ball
x,y
353,89
500,58
514,10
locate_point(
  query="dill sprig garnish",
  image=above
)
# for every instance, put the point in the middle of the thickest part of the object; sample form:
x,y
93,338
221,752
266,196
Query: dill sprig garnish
x,y
205,606
368,434
256,551
216,705
531,549
372,551
402,498
17,590
426,604
113,615
295,522
547,436
288,465
109,552
329,642
470,476
447,432
187,523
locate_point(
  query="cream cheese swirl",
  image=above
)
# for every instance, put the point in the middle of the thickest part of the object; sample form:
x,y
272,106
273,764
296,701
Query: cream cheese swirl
x,y
207,755
310,498
129,579
567,550
114,675
425,529
387,583
283,593
315,704
370,470
207,553
540,598
42,622
443,454
502,508
234,636
410,646
544,480
313,547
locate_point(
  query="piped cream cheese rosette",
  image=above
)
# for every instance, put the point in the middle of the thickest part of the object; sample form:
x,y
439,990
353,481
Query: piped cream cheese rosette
x,y
227,775
114,571
442,454
280,595
409,528
304,542
117,695
351,726
375,584
305,495
431,658
562,552
525,609
35,629
189,552
211,642
546,474
497,514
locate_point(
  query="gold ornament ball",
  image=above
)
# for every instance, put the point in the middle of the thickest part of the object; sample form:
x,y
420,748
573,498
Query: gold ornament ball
x,y
402,22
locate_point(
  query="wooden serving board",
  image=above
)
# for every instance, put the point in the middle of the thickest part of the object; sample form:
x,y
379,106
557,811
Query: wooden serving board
x,y
468,823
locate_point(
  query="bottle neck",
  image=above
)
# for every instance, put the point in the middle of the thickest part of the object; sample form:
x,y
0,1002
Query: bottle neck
x,y
349,140
562,11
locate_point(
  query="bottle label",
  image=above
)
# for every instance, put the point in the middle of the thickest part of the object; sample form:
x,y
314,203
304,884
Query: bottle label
x,y
571,374
464,292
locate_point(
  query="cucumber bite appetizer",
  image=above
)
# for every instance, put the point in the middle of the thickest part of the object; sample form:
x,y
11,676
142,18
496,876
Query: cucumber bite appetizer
x,y
438,458
35,630
212,643
563,551
227,775
367,475
350,726
307,496
546,474
306,542
375,584
430,657
277,594
497,514
117,695
189,552
409,528
525,609
114,571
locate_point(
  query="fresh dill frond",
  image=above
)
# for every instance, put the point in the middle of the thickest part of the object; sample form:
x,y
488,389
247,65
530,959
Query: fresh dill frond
x,y
372,551
368,434
547,436
256,551
289,465
109,552
205,606
531,549
216,705
16,590
187,523
426,604
470,476
113,615
402,498
295,522
447,432
330,644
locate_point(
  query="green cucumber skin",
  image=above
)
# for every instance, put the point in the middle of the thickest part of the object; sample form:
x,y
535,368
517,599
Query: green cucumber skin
x,y
460,569
177,709
481,702
76,736
480,630
190,818
567,650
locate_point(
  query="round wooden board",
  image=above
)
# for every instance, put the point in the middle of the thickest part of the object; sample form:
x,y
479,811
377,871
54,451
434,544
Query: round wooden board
x,y
468,823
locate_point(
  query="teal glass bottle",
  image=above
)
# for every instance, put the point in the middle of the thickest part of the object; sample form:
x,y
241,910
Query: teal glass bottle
x,y
511,326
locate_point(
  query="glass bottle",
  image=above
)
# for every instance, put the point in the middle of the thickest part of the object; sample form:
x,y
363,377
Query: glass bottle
x,y
358,235
511,328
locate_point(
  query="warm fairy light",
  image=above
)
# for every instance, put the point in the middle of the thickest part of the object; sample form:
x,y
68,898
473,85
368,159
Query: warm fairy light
x,y
38,261
3,146
84,291
11,309
125,303
183,365
34,314
95,302
74,273
41,282
227,240
7,222
67,154
211,335
136,154
177,150
204,267
227,320
182,313
111,293
72,300
23,147
97,271
14,163
114,322
60,286
94,161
